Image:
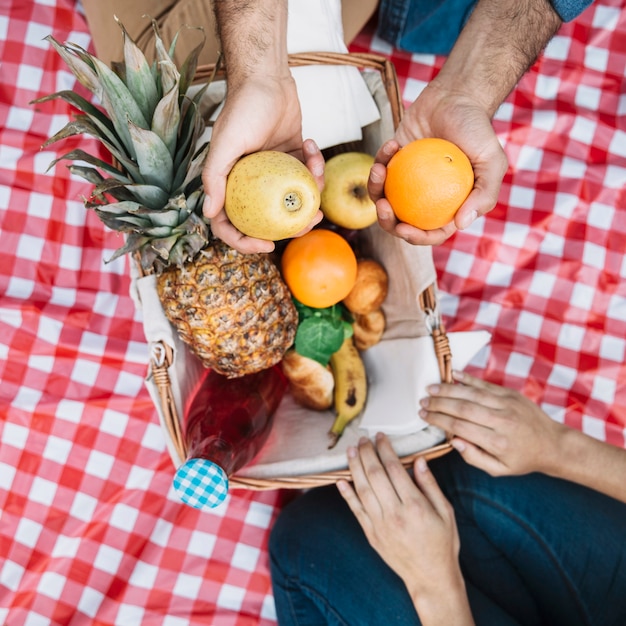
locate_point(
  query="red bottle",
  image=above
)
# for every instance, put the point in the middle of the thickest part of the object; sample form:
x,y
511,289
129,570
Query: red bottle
x,y
227,422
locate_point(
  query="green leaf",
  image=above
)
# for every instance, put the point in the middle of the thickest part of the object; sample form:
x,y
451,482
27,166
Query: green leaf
x,y
153,157
81,68
81,155
119,104
82,125
150,195
194,169
167,118
319,338
190,64
138,76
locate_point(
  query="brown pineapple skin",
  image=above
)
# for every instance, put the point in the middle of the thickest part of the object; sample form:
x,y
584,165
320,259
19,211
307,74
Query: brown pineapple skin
x,y
233,310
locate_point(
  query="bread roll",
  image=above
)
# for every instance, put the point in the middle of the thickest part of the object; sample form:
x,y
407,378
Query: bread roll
x,y
370,288
311,383
368,329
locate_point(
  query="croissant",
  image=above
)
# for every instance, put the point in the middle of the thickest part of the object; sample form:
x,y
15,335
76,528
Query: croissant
x,y
368,328
311,383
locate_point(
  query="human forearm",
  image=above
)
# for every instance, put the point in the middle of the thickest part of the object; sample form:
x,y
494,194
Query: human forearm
x,y
500,41
253,37
590,462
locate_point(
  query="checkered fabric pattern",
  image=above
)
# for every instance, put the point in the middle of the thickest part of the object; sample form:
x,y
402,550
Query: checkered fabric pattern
x,y
91,529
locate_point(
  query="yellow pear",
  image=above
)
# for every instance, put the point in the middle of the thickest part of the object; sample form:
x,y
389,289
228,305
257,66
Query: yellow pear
x,y
271,195
345,200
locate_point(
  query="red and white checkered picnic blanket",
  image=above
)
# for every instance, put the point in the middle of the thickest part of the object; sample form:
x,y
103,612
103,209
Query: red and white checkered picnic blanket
x,y
90,529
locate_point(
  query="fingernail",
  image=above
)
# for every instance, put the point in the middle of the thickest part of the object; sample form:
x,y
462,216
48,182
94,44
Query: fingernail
x,y
468,220
363,441
379,436
423,414
422,465
425,401
459,446
457,375
433,389
351,452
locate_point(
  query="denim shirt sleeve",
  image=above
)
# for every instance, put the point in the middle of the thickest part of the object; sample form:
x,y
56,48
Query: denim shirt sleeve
x,y
567,10
432,26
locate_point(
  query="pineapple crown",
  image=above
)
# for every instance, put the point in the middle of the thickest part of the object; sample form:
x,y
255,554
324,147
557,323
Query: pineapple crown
x,y
150,126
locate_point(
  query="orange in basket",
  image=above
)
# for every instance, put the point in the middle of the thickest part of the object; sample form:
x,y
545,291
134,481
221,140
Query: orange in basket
x,y
319,268
427,181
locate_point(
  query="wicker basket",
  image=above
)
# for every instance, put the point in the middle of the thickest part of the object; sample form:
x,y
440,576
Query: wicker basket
x,y
384,87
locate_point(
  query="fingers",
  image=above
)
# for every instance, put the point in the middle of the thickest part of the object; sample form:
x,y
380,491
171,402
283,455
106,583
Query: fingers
x,y
224,230
376,182
396,472
360,478
472,389
430,488
381,484
476,456
488,174
386,151
418,237
314,160
319,216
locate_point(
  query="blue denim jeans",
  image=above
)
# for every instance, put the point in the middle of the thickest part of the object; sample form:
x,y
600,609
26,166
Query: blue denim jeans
x,y
534,550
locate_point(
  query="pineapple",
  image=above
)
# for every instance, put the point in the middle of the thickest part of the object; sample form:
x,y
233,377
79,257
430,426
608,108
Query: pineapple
x,y
233,310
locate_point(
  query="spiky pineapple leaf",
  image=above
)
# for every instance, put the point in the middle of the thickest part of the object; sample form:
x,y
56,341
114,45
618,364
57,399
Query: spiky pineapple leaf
x,y
77,101
82,125
95,115
114,188
191,128
160,217
153,157
195,198
153,198
190,65
166,119
83,70
90,174
149,195
194,169
125,223
81,155
135,243
164,245
119,104
168,71
138,76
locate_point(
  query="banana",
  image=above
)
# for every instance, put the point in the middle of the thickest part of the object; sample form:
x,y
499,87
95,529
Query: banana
x,y
350,387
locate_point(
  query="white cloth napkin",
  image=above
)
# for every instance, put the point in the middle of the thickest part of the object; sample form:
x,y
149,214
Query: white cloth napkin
x,y
398,372
335,100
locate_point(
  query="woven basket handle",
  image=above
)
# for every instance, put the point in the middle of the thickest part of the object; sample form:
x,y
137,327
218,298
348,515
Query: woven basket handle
x,y
363,60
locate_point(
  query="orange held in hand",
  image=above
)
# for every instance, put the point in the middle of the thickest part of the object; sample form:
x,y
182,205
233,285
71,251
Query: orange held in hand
x,y
427,182
319,268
